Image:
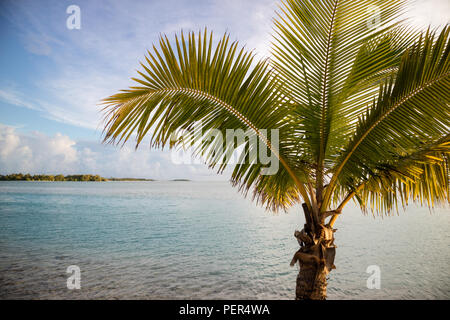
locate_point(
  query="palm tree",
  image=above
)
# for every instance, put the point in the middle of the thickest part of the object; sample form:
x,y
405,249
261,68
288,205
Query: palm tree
x,y
361,103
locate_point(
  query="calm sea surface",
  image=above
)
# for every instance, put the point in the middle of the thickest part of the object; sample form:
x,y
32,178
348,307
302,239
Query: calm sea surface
x,y
200,240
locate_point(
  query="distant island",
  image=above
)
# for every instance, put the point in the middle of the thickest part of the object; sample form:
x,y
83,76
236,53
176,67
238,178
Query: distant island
x,y
128,179
60,177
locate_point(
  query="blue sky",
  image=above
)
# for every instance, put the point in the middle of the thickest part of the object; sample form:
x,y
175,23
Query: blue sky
x,y
52,78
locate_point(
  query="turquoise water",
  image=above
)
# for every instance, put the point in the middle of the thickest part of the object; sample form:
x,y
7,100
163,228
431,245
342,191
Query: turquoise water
x,y
200,240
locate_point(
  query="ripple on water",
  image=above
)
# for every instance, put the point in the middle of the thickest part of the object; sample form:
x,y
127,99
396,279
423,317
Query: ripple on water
x,y
161,240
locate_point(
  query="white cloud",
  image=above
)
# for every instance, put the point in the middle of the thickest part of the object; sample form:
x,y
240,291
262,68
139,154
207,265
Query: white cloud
x,y
37,153
16,98
8,141
98,60
430,12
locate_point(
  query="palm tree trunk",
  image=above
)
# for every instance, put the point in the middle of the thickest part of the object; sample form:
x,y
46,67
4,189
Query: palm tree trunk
x,y
316,259
311,283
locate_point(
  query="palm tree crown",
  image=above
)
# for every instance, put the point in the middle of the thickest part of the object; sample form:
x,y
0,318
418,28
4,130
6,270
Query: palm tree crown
x,y
362,110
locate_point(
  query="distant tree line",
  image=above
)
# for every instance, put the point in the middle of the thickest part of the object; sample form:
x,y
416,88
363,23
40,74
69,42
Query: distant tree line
x,y
45,177
60,177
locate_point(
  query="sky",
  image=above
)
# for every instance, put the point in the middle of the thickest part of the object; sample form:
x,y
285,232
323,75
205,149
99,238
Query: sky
x,y
52,78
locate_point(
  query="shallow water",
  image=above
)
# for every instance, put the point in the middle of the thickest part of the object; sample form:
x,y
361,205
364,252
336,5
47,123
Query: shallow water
x,y
200,240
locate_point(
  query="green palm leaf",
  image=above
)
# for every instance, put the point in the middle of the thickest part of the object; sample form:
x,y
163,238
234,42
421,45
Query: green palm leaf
x,y
412,110
218,87
319,50
362,113
421,176
347,99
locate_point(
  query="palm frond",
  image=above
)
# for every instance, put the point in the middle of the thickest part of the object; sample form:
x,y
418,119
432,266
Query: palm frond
x,y
411,111
218,87
327,53
363,109
422,177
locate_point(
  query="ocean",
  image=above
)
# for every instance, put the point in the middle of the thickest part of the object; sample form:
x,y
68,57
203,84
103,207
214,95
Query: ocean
x,y
201,240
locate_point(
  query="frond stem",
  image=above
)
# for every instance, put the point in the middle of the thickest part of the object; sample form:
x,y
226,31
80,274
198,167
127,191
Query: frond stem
x,y
418,90
243,119
319,182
